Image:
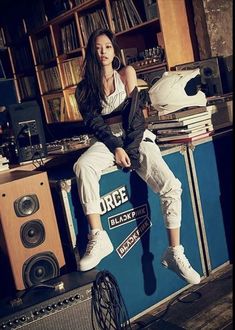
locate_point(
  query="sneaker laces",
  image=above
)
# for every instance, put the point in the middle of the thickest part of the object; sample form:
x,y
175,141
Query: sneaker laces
x,y
92,241
181,259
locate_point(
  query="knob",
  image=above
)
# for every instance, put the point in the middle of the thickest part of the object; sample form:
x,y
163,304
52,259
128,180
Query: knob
x,y
42,310
66,301
10,324
36,313
49,308
71,299
23,318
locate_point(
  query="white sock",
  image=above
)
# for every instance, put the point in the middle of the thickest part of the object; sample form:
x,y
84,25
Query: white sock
x,y
174,247
94,231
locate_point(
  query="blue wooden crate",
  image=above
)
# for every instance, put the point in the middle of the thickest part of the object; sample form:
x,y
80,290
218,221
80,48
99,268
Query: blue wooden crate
x,y
133,219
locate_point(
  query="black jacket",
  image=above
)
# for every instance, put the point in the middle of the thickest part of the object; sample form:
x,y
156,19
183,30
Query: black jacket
x,y
132,120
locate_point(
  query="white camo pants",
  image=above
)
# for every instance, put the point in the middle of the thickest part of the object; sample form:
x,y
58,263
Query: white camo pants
x,y
153,170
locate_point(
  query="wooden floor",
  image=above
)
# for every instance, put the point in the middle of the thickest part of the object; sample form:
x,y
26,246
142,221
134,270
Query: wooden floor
x,y
204,306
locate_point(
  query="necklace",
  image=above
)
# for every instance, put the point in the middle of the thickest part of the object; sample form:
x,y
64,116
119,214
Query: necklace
x,y
107,78
109,83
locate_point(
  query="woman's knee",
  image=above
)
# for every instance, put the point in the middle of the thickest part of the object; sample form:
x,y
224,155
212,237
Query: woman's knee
x,y
172,187
80,166
176,184
86,170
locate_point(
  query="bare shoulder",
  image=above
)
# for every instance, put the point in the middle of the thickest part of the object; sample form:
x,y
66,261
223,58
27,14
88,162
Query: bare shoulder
x,y
129,78
127,72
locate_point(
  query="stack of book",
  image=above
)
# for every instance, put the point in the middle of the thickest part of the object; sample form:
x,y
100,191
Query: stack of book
x,y
182,126
4,163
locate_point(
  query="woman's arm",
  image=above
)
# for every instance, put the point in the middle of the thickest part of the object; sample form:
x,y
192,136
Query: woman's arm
x,y
129,78
133,118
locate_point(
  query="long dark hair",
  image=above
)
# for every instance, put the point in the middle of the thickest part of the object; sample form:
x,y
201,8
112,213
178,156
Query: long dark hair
x,y
92,69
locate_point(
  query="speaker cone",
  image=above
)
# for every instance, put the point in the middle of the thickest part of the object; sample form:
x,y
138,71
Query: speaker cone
x,y
209,71
26,205
39,268
32,233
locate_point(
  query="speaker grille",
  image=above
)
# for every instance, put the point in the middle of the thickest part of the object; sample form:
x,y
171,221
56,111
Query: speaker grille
x,y
74,317
26,205
32,233
39,268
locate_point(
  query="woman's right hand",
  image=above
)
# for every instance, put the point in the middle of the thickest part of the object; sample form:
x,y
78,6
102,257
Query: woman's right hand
x,y
121,157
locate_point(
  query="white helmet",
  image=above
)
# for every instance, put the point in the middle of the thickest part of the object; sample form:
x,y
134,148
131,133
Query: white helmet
x,y
168,94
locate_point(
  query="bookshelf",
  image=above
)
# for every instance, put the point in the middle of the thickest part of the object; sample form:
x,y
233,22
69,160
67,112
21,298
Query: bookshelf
x,y
7,83
47,51
19,65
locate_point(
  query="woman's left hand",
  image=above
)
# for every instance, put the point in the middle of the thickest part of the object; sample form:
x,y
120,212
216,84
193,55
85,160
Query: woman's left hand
x,y
121,157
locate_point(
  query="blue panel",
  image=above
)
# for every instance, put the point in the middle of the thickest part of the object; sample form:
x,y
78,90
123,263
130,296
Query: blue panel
x,y
142,279
210,195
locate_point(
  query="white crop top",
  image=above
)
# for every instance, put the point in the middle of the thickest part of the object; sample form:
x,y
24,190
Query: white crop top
x,y
117,97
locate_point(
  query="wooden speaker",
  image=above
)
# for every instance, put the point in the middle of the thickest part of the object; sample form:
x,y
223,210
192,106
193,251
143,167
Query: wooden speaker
x,y
29,236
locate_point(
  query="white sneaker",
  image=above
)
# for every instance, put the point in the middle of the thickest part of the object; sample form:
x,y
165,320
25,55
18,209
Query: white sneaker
x,y
98,247
175,259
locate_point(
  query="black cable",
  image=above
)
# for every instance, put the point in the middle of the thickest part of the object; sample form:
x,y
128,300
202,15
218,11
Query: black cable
x,y
189,298
37,161
108,306
21,295
162,314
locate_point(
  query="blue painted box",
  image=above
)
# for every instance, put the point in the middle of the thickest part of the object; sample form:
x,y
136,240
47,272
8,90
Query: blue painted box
x,y
133,219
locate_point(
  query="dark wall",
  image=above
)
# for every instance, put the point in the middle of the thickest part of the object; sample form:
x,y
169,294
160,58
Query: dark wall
x,y
213,21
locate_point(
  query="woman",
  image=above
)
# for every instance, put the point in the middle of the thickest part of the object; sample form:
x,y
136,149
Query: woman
x,y
106,95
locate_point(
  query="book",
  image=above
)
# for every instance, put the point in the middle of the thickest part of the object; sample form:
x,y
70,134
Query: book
x,y
125,23
184,135
182,131
74,113
188,139
116,17
54,107
184,112
184,121
133,13
150,7
214,100
182,117
62,109
187,128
